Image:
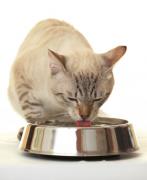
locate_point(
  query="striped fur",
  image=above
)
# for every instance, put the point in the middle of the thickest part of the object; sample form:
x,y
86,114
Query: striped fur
x,y
88,99
86,84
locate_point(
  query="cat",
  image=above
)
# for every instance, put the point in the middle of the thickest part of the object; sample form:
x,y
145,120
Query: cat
x,y
56,73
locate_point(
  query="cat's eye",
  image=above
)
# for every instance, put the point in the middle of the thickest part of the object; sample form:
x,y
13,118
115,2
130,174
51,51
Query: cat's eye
x,y
107,94
97,99
72,99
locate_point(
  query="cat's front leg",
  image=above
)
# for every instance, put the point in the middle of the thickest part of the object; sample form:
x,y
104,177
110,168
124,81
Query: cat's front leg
x,y
32,108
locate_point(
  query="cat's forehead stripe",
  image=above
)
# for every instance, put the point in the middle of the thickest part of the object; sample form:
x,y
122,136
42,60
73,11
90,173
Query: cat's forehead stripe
x,y
86,83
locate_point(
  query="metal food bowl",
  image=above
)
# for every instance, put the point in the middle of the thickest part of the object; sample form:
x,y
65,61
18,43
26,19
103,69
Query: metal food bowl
x,y
106,137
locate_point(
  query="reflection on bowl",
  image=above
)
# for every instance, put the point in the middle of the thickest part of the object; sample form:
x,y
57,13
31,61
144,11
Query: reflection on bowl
x,y
106,136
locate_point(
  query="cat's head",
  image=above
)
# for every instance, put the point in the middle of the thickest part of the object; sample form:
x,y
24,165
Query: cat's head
x,y
82,82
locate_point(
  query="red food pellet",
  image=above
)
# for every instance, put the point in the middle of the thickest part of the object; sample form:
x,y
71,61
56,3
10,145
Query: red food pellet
x,y
80,123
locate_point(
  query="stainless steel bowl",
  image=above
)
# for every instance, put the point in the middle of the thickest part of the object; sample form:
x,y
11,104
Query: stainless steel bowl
x,y
107,136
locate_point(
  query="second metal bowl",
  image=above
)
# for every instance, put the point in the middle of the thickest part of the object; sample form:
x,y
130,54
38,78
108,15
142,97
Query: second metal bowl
x,y
107,136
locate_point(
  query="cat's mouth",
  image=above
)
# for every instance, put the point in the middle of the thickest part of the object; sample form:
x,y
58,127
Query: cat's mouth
x,y
79,121
82,119
78,118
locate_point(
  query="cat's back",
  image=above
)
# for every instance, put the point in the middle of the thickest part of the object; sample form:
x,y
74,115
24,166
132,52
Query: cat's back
x,y
53,34
48,27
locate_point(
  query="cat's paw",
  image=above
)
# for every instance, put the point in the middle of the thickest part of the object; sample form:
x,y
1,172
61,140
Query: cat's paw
x,y
20,132
35,112
42,122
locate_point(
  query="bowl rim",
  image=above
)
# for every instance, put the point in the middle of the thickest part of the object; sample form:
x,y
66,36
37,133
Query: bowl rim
x,y
71,124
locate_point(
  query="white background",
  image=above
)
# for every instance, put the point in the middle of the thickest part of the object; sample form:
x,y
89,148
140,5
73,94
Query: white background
x,y
106,24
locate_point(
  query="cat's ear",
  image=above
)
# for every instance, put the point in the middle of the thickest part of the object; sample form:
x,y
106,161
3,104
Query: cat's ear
x,y
56,62
112,56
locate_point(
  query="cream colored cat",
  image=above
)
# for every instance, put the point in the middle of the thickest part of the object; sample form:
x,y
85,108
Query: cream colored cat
x,y
56,72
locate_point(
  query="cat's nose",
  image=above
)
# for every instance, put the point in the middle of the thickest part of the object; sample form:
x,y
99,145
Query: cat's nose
x,y
84,116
